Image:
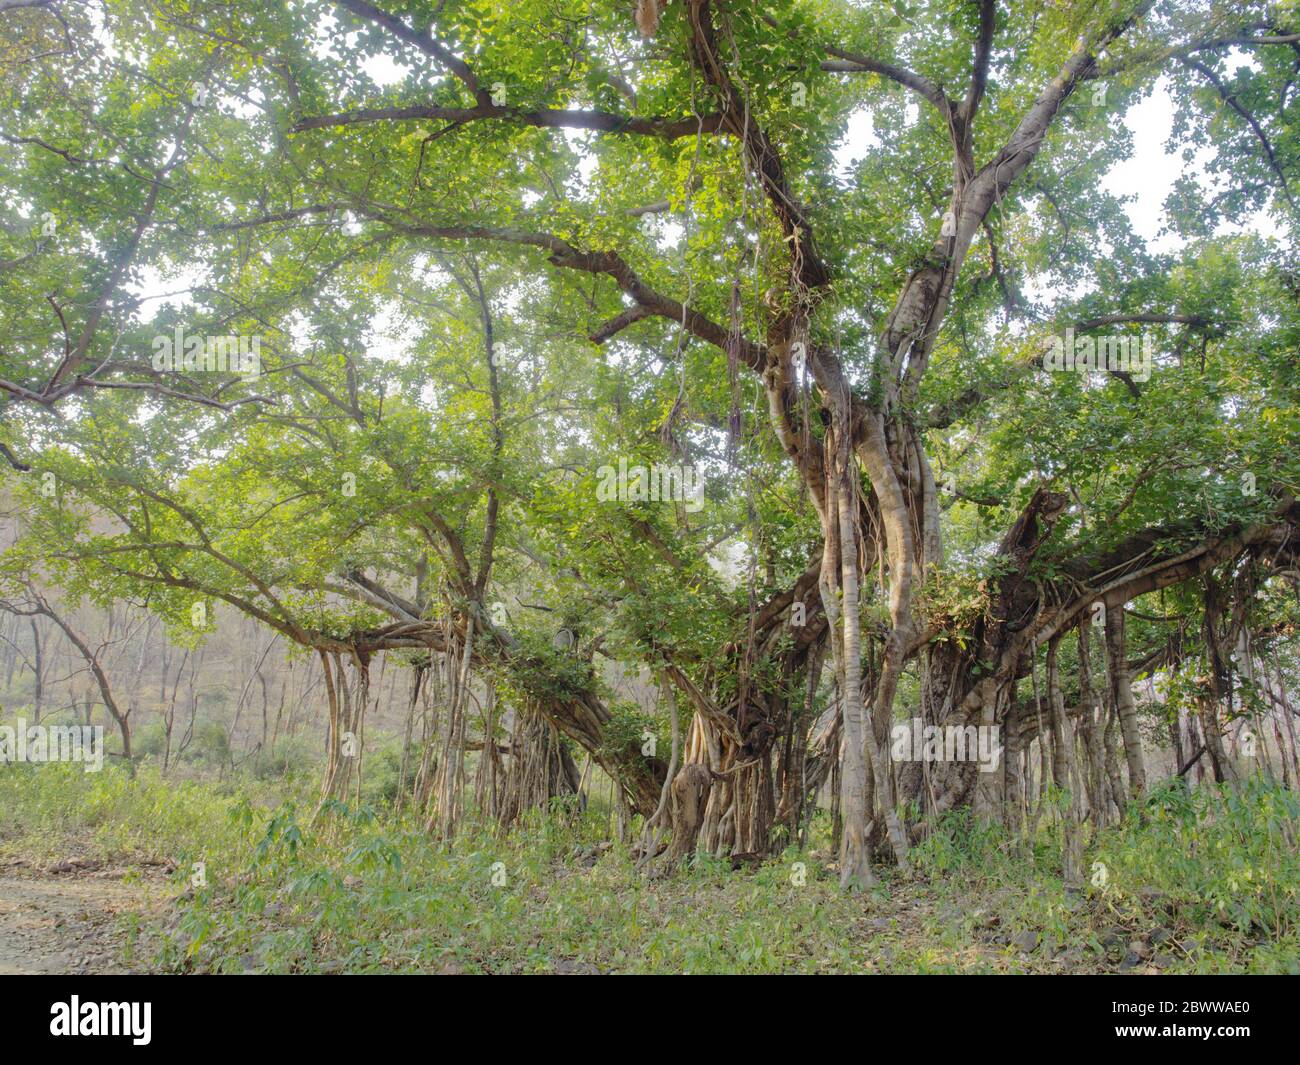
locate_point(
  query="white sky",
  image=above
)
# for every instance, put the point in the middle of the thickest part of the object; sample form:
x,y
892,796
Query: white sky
x,y
1150,173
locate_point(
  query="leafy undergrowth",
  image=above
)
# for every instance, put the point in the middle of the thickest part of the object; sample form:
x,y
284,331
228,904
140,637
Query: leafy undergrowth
x,y
1206,882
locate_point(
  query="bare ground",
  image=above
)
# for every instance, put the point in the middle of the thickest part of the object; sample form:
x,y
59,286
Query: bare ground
x,y
74,917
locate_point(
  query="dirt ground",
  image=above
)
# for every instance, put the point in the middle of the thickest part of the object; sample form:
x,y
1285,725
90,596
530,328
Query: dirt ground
x,y
73,917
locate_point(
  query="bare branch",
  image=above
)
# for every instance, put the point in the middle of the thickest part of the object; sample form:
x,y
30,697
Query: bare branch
x,y
546,118
1230,98
855,63
618,323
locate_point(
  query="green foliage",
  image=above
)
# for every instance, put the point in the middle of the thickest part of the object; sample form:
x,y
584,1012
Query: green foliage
x,y
1209,878
627,727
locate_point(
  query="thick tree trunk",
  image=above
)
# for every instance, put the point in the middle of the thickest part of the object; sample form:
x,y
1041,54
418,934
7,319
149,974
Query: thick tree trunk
x,y
1092,720
1065,772
843,611
1122,696
1211,706
1110,747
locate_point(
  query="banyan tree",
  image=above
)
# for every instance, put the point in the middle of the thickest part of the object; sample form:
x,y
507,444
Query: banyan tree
x,y
976,453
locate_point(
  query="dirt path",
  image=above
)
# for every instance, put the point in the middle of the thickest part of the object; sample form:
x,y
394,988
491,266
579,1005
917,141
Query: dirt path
x,y
70,918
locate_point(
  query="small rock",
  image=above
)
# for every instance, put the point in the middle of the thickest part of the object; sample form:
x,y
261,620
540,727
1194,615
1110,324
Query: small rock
x,y
1131,961
1026,941
68,865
